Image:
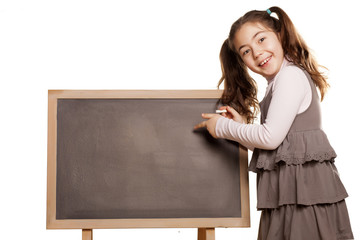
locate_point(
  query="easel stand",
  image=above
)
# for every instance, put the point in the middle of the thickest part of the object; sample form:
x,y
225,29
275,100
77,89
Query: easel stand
x,y
87,234
203,234
206,233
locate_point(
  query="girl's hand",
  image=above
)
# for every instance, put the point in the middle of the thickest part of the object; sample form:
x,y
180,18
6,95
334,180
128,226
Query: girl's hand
x,y
210,124
232,114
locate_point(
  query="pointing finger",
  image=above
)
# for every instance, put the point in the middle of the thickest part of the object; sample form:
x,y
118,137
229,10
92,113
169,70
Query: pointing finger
x,y
200,125
208,115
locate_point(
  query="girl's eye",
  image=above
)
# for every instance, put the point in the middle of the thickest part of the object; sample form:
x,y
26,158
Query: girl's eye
x,y
262,39
246,52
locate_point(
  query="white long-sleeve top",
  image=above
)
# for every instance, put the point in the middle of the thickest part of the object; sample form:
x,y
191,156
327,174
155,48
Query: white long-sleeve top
x,y
291,95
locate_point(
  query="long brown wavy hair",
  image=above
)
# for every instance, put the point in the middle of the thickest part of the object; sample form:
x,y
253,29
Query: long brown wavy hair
x,y
240,89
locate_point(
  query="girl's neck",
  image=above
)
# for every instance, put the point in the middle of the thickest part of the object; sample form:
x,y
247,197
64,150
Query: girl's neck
x,y
284,63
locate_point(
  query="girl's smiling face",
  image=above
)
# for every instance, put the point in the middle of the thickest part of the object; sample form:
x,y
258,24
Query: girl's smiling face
x,y
260,49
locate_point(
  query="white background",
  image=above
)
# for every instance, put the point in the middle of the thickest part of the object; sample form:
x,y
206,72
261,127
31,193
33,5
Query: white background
x,y
147,45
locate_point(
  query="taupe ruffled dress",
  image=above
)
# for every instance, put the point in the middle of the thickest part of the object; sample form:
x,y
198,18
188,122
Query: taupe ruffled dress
x,y
299,190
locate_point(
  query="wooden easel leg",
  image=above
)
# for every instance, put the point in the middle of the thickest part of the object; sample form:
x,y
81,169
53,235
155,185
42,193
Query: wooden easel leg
x,y
206,233
87,234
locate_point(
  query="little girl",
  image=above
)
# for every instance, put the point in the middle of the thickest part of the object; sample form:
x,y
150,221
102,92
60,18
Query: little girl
x,y
299,190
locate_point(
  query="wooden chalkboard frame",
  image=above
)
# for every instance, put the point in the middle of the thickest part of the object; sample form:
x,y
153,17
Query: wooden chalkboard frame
x,y
53,223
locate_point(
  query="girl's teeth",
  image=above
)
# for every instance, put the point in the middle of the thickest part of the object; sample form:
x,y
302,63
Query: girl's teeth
x,y
265,61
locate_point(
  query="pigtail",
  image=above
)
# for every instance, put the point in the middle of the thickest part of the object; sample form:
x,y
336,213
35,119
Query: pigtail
x,y
240,90
296,50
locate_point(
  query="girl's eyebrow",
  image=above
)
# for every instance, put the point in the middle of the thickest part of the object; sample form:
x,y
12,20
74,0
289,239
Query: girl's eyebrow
x,y
252,38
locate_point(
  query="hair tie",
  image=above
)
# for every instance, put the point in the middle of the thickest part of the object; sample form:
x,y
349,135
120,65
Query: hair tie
x,y
268,11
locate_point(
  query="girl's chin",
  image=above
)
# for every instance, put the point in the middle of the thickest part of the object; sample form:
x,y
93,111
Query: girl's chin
x,y
269,74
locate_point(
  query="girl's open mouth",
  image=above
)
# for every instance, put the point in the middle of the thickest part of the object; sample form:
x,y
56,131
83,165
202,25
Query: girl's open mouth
x,y
265,62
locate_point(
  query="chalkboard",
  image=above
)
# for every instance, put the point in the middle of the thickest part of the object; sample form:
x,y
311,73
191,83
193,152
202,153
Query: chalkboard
x,y
132,159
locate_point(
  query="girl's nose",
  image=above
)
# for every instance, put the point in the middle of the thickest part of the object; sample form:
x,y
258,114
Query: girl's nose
x,y
257,52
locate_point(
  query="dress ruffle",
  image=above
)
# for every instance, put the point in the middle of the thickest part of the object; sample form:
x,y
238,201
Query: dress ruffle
x,y
302,184
300,171
315,222
298,147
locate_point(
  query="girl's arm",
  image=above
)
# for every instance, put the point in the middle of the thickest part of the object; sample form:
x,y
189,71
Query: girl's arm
x,y
235,116
291,87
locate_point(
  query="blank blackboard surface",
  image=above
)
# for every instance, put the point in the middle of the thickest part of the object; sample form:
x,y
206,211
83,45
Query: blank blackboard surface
x,y
139,158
